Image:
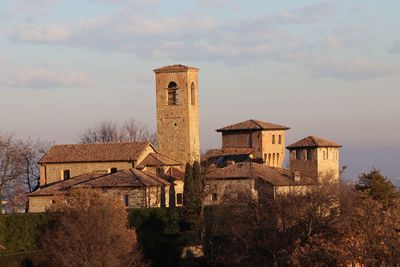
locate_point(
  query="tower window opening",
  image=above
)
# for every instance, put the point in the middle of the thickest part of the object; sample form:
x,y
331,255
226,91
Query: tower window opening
x,y
309,154
192,94
173,98
298,154
279,139
273,139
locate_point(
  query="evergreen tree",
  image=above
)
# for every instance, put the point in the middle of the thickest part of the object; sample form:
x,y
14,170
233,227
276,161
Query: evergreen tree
x,y
197,186
188,186
378,187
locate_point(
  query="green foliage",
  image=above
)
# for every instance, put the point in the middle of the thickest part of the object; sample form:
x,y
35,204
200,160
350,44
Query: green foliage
x,y
197,186
188,186
159,234
21,232
378,187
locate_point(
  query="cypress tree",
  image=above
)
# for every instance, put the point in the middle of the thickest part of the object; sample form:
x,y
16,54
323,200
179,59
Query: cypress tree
x,y
197,186
188,186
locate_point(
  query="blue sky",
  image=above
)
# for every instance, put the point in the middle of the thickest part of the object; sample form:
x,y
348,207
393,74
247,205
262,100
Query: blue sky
x,y
326,68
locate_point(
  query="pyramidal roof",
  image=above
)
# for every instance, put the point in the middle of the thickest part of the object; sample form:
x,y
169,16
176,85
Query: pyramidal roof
x,y
175,68
252,125
313,141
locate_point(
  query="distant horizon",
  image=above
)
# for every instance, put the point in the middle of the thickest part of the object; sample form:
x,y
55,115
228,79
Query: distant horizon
x,y
325,68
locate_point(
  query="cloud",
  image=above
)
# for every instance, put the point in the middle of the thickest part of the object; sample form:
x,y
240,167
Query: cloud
x,y
24,6
43,79
197,37
349,70
395,48
48,34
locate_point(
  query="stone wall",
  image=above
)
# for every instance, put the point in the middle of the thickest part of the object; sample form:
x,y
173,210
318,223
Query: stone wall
x,y
53,171
227,190
178,125
273,154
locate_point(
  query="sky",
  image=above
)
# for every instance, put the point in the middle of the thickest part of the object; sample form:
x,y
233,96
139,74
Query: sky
x,y
324,68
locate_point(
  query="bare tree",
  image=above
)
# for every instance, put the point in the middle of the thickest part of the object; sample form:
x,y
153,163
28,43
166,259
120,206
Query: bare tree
x,y
108,131
91,230
10,165
30,151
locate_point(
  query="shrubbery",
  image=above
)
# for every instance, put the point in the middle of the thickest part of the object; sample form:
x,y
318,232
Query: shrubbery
x,y
21,232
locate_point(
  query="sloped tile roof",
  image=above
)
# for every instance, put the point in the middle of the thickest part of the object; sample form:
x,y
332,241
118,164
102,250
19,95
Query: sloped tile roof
x,y
175,68
126,178
252,125
227,151
251,170
313,141
157,160
104,152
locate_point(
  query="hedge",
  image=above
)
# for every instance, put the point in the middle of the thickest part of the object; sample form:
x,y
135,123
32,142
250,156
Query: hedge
x,y
21,232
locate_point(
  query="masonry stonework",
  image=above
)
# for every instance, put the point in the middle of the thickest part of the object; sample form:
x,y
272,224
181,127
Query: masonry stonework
x,y
178,123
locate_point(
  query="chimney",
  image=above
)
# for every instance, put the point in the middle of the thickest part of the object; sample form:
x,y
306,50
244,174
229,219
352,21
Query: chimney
x,y
297,176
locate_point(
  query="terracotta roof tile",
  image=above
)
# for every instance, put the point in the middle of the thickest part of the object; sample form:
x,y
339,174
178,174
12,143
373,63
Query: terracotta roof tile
x,y
252,125
129,151
251,170
125,178
157,160
175,68
313,141
227,151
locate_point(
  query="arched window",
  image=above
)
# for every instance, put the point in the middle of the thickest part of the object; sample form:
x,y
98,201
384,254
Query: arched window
x,y
273,159
269,159
173,94
279,139
273,139
265,158
277,159
324,154
193,94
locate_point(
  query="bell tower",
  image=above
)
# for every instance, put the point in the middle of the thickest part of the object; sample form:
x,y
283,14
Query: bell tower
x,y
178,112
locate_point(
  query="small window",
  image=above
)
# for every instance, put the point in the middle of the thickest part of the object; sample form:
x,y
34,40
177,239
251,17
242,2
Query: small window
x,y
324,154
193,94
273,159
298,154
279,139
265,158
214,197
309,154
173,94
65,175
126,200
269,159
273,139
113,170
179,199
327,154
277,159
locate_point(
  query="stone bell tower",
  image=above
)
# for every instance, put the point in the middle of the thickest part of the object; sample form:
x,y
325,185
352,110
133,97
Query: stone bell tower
x,y
178,112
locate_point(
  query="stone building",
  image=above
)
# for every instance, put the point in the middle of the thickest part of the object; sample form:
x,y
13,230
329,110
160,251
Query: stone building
x,y
133,172
251,157
315,157
178,112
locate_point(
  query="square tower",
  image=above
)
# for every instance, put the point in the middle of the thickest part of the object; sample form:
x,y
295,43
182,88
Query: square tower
x,y
178,112
316,158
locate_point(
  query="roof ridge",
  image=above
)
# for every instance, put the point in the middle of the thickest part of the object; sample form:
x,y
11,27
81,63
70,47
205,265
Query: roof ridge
x,y
257,123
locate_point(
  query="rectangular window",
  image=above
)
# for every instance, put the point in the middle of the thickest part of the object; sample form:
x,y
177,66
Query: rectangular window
x,y
126,200
214,197
298,154
65,175
280,139
309,154
273,139
179,199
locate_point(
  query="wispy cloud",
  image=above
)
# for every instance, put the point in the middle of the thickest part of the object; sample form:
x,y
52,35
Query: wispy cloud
x,y
193,36
395,47
43,79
